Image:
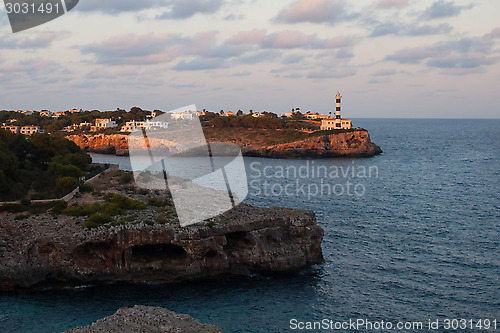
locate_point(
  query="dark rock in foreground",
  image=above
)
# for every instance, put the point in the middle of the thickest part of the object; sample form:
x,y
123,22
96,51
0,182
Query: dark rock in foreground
x,y
41,250
147,319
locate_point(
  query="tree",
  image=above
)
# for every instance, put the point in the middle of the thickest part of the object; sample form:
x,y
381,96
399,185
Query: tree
x,y
66,184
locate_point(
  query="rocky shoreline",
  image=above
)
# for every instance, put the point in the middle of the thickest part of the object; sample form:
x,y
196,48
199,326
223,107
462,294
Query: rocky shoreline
x,y
59,251
147,319
355,143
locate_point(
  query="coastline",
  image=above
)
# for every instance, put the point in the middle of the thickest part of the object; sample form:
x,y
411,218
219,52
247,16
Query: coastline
x,y
353,143
149,244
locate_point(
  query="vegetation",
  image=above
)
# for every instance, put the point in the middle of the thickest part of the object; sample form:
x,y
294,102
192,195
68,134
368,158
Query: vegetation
x,y
248,121
47,164
53,207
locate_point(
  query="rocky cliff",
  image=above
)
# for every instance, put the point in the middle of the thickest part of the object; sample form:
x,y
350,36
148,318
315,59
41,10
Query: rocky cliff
x,y
356,143
43,250
344,144
147,319
102,143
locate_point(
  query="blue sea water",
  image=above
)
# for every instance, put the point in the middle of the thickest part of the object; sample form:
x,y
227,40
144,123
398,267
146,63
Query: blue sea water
x,y
417,239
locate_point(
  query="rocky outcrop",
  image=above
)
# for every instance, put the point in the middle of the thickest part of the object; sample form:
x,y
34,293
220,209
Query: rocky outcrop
x,y
355,143
147,319
43,250
102,143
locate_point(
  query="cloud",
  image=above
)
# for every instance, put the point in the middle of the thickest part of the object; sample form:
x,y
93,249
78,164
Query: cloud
x,y
255,36
186,85
38,70
116,6
293,59
40,40
135,49
462,61
332,73
345,53
389,4
241,74
199,64
385,72
187,8
383,29
314,11
258,57
225,51
464,53
411,56
441,9
290,39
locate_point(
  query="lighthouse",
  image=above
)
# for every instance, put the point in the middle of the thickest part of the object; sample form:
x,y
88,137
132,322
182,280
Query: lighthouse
x,y
337,123
339,101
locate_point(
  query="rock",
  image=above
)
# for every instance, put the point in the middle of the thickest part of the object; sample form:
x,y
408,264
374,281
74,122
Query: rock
x,y
41,250
147,319
355,143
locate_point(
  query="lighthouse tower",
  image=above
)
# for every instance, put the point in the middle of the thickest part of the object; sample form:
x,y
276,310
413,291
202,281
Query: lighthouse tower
x,y
339,101
337,123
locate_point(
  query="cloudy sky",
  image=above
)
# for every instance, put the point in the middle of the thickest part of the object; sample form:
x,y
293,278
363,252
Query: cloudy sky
x,y
389,58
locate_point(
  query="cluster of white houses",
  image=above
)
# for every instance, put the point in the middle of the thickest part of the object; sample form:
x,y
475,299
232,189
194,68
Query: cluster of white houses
x,y
327,121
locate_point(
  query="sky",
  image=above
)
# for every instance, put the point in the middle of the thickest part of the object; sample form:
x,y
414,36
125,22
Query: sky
x,y
388,58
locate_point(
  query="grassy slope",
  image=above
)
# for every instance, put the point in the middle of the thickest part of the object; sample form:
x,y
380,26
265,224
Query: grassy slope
x,y
260,137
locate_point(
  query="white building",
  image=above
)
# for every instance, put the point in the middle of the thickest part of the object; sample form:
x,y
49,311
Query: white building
x,y
338,122
13,129
103,124
131,126
30,130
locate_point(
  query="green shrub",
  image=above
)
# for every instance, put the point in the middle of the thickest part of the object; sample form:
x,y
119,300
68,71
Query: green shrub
x,y
59,206
66,183
161,220
157,202
127,178
26,202
124,202
13,208
96,220
84,188
22,216
112,209
82,210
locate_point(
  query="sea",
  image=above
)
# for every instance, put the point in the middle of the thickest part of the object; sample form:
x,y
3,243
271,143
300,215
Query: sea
x,y
411,236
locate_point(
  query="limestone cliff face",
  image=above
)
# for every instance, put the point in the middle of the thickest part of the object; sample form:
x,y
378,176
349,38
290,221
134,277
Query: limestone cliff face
x,y
46,251
355,143
346,144
101,143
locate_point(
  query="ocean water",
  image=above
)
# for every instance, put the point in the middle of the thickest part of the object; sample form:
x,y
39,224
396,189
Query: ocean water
x,y
412,235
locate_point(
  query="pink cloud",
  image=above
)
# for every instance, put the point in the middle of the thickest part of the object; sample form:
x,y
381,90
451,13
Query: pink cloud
x,y
315,11
248,37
